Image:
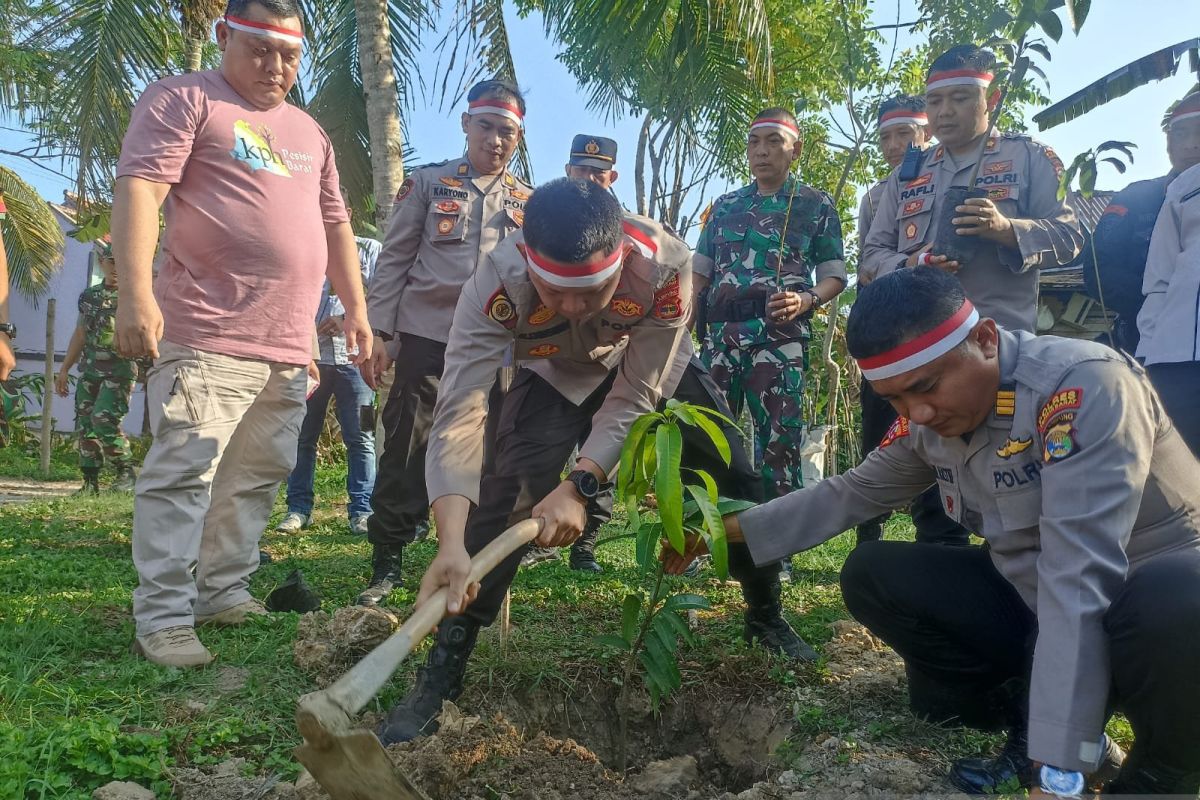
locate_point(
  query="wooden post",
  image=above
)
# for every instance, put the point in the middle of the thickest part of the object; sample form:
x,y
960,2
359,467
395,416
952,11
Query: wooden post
x,y
48,391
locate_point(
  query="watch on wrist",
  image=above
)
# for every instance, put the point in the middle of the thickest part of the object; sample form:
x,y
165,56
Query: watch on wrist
x,y
10,329
816,298
587,484
1061,782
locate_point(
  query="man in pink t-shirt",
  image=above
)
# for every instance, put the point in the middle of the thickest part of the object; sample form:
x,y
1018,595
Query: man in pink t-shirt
x,y
254,225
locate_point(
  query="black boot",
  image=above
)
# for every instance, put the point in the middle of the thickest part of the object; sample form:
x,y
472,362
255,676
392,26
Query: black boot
x,y
440,679
870,531
1012,767
1004,773
765,622
386,560
583,552
125,480
91,482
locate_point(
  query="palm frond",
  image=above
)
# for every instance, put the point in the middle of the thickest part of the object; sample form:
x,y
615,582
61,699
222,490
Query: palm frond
x,y
33,240
104,53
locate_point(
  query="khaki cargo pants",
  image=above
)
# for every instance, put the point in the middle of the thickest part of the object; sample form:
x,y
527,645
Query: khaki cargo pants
x,y
225,432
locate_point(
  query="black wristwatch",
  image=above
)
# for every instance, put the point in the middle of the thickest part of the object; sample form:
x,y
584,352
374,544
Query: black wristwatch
x,y
587,484
10,329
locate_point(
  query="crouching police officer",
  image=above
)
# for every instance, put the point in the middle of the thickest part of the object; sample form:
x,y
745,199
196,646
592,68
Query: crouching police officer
x,y
1087,595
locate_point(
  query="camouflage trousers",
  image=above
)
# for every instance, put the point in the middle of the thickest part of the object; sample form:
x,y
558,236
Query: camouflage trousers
x,y
101,402
768,381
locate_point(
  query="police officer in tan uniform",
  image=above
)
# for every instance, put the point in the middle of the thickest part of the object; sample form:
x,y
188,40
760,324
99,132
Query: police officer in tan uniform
x,y
1061,455
903,136
594,303
446,219
1023,225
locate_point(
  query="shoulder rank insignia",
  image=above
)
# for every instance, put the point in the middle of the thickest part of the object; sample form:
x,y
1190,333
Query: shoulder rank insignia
x,y
1012,447
899,430
500,309
1064,400
990,147
1006,402
463,169
452,182
509,181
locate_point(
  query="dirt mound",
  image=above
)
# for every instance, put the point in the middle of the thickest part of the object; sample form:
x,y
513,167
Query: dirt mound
x,y
858,662
327,646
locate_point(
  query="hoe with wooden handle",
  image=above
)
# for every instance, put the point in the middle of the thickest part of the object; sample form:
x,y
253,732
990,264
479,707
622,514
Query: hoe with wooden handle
x,y
348,762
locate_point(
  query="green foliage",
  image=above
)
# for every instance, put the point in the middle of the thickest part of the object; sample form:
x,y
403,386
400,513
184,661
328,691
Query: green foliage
x,y
1085,166
33,240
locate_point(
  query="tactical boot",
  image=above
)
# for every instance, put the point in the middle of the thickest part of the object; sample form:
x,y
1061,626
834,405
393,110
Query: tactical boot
x,y
386,561
583,552
1012,767
439,680
125,480
1004,773
91,482
765,622
870,531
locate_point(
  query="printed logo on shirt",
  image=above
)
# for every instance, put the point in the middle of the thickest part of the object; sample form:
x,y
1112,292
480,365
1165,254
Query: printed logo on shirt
x,y
454,182
913,206
517,194
448,207
1001,193
667,304
500,309
910,232
255,149
920,180
1004,178
543,350
996,167
405,190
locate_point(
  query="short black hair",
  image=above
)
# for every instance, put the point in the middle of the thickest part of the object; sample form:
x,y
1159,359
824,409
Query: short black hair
x,y
963,56
569,220
278,8
498,89
901,102
900,306
777,112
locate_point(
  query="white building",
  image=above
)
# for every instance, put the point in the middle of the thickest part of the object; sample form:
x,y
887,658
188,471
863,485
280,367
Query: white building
x,y
79,270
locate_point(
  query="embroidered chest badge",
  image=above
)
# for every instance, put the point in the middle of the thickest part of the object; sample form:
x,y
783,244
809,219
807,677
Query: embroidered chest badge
x,y
499,308
1013,446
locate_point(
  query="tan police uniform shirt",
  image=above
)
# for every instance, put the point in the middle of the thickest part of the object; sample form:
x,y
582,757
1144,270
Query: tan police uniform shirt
x,y
866,215
641,334
1077,478
446,218
1021,176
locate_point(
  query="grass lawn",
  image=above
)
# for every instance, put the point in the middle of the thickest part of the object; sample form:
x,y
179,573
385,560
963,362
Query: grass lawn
x,y
78,710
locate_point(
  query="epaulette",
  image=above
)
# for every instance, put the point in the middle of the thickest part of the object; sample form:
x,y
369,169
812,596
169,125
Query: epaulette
x,y
1015,135
428,165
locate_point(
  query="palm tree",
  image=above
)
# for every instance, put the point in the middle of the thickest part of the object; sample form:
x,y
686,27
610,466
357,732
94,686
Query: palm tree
x,y
197,18
382,102
33,240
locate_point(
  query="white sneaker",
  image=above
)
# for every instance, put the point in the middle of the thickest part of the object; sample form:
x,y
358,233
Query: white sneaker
x,y
293,522
173,647
234,615
358,525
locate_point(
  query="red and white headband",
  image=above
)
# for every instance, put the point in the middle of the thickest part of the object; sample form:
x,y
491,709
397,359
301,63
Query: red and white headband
x,y
925,348
903,116
574,276
1191,111
289,35
490,105
958,77
784,125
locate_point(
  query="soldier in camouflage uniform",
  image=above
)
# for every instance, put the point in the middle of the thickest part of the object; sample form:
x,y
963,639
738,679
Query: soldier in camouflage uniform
x,y
754,321
105,382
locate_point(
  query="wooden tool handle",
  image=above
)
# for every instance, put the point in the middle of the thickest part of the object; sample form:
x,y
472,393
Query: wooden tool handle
x,y
355,689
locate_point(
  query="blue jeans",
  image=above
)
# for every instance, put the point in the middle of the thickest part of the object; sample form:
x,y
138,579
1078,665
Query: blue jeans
x,y
345,384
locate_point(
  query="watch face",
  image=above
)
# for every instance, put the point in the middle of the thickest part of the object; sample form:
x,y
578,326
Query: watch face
x,y
1061,782
587,483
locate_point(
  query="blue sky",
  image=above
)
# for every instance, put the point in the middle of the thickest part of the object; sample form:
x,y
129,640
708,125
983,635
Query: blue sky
x,y
1115,33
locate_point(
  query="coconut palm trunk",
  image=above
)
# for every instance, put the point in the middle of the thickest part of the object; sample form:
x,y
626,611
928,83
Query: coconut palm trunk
x,y
382,100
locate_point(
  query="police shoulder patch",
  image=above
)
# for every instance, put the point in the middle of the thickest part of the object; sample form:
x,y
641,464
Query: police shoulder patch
x,y
499,308
1058,440
667,303
899,430
1063,400
405,190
